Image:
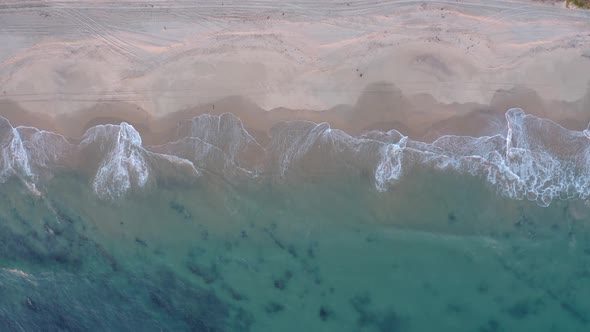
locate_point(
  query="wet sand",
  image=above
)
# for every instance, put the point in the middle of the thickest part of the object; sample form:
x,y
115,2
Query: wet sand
x,y
419,117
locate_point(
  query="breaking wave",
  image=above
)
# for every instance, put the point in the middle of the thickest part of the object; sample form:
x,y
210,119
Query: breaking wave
x,y
537,159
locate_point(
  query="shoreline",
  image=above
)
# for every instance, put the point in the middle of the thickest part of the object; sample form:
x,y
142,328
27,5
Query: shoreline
x,y
381,107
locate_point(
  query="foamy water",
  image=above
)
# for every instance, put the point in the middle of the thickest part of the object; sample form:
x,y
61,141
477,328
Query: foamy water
x,y
537,160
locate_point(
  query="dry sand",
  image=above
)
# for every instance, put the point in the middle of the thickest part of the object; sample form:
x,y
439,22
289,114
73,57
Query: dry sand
x,y
425,68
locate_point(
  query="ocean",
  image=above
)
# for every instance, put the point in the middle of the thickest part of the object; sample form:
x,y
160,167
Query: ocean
x,y
307,229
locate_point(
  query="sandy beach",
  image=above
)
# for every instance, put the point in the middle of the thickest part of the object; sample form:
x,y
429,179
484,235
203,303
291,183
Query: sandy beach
x,y
424,68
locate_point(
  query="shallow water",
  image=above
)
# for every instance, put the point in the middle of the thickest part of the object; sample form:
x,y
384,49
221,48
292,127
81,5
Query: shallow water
x,y
315,230
313,256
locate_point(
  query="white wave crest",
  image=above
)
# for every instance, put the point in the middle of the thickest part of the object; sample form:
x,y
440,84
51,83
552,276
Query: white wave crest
x,y
389,168
537,160
124,164
303,146
46,150
15,158
218,143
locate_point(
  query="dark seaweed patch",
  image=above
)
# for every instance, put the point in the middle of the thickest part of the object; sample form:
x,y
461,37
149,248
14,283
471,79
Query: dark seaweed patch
x,y
17,247
198,309
208,315
280,284
361,303
234,293
62,244
491,325
141,242
161,300
31,304
324,313
86,288
54,227
430,288
569,308
371,238
389,321
292,251
63,323
273,307
519,310
207,274
64,217
311,252
483,288
522,309
196,252
526,225
574,312
317,280
451,217
60,257
276,241
180,209
227,245
455,308
314,273
242,320
106,256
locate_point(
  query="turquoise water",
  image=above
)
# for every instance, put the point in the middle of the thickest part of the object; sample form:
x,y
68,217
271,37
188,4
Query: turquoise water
x,y
316,230
319,255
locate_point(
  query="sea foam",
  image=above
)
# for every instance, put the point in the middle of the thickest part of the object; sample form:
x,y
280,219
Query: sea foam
x,y
536,160
15,158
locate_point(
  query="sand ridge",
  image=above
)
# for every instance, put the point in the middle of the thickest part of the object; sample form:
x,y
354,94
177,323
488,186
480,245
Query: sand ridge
x,y
382,107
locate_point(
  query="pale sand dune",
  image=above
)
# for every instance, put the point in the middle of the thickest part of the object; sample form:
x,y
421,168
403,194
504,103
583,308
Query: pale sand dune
x,y
378,65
